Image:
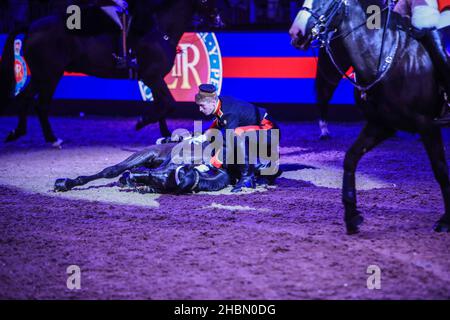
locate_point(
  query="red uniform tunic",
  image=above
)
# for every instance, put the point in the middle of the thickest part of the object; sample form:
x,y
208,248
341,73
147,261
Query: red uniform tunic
x,y
444,5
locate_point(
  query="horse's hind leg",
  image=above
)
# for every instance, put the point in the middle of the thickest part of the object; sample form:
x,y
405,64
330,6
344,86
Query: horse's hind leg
x,y
22,104
370,137
432,141
164,105
137,159
21,128
44,100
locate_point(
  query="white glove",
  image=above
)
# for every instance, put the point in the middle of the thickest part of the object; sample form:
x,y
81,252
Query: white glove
x,y
202,168
198,139
122,4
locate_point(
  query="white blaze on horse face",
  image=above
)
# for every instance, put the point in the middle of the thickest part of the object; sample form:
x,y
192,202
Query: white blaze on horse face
x,y
301,21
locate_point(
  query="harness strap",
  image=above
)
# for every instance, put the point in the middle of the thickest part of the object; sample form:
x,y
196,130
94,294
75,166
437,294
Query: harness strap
x,y
382,68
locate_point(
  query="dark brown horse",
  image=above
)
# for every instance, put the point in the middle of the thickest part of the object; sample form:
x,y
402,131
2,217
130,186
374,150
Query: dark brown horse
x,y
397,88
50,49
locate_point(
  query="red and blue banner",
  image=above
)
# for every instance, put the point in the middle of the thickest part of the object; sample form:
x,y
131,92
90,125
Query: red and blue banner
x,y
264,67
254,66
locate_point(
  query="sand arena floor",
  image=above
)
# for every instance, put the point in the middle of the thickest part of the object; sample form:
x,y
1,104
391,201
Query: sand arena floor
x,y
286,242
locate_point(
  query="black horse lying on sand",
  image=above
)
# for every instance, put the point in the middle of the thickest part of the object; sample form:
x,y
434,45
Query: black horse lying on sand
x,y
158,169
154,170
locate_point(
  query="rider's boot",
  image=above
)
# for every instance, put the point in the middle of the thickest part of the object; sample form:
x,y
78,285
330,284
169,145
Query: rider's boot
x,y
247,179
434,43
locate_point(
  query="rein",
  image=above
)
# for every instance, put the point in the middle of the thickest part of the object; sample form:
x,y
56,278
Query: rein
x,y
321,32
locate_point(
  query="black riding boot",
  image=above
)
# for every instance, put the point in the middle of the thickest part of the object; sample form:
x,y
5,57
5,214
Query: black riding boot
x,y
243,164
247,179
433,42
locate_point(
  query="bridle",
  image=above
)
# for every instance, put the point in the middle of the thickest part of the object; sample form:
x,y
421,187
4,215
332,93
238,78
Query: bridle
x,y
323,21
322,32
196,181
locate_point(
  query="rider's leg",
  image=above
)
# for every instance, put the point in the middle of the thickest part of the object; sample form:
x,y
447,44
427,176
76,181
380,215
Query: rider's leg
x,y
433,42
244,164
426,18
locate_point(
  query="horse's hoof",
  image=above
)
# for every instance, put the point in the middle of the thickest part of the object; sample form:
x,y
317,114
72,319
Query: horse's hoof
x,y
126,181
353,224
57,144
441,226
325,136
14,135
63,185
141,124
145,121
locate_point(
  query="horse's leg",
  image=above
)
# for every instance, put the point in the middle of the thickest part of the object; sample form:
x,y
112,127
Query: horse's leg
x,y
164,129
323,97
22,104
21,128
45,97
432,141
147,157
324,90
327,81
370,136
164,104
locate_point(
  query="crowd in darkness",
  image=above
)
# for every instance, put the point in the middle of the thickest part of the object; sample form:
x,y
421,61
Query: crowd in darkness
x,y
239,14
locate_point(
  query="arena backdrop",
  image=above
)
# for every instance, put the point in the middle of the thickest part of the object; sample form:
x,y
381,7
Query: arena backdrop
x,y
239,63
232,60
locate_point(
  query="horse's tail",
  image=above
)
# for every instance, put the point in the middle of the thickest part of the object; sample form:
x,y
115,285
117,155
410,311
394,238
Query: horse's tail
x,y
7,79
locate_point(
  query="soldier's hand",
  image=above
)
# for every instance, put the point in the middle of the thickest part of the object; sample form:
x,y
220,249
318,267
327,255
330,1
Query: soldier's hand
x,y
198,139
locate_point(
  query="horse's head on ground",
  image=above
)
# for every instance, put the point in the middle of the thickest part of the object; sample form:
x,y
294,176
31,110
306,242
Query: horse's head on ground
x,y
207,13
195,178
315,19
187,178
